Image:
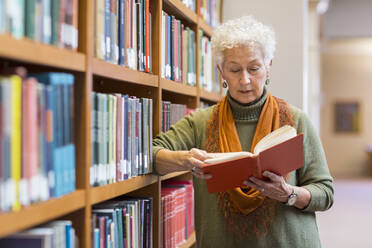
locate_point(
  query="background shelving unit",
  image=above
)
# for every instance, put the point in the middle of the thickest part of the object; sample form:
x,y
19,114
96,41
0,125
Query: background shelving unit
x,y
94,74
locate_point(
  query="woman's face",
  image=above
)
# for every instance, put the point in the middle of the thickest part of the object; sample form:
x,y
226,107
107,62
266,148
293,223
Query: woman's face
x,y
245,72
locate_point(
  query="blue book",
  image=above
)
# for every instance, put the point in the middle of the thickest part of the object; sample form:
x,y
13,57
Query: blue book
x,y
121,33
96,238
107,31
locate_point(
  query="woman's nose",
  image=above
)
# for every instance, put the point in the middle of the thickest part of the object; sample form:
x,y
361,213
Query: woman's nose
x,y
245,79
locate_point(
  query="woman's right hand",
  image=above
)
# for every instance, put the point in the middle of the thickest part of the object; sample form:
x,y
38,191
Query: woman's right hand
x,y
194,161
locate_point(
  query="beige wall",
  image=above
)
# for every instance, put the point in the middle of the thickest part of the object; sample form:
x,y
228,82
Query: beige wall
x,y
347,75
288,18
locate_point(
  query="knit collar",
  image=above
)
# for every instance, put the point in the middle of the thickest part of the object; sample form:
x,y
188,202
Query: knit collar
x,y
250,111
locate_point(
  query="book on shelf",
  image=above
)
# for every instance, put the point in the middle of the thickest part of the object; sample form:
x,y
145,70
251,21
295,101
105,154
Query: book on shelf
x,y
177,200
121,137
59,233
280,152
123,223
47,21
123,33
177,51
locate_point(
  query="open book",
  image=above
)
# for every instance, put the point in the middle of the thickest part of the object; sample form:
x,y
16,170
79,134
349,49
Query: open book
x,y
280,152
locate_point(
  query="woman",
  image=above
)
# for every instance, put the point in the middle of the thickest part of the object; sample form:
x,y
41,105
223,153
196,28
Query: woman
x,y
277,212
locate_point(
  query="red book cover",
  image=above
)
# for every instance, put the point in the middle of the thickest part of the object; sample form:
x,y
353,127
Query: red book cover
x,y
102,231
61,22
119,137
280,159
147,35
29,137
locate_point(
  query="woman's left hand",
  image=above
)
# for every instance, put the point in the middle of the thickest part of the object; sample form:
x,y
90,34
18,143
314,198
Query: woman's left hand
x,y
274,188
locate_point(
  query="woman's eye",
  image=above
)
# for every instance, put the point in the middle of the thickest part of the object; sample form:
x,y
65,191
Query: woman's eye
x,y
235,70
254,69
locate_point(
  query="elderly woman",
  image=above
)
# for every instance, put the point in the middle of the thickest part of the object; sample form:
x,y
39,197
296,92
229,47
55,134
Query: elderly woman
x,y
277,212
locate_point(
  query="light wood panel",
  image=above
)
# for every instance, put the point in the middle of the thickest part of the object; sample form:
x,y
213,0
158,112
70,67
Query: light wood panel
x,y
104,69
29,51
106,192
176,87
209,96
181,9
41,212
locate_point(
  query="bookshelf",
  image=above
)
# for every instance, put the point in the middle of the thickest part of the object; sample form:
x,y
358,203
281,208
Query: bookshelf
x,y
93,74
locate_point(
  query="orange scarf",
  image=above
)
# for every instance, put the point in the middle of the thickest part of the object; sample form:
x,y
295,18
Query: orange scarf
x,y
244,201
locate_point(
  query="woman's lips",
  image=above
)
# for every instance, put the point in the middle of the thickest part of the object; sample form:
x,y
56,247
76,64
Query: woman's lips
x,y
245,91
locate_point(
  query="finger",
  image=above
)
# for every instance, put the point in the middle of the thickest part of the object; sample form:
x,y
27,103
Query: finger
x,y
195,163
251,184
201,175
199,154
256,181
272,176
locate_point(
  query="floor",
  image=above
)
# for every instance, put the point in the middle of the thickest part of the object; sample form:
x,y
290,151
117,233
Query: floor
x,y
348,224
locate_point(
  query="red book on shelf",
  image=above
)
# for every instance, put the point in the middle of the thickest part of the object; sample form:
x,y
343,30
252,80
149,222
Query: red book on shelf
x,y
147,35
279,152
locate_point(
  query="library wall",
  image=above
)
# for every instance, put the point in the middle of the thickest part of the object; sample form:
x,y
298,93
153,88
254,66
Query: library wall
x,y
289,69
346,70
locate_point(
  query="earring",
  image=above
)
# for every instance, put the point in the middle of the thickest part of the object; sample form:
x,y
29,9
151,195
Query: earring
x,y
224,84
267,82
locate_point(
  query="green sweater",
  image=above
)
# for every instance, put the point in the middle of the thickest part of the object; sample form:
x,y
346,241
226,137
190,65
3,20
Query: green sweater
x,y
291,227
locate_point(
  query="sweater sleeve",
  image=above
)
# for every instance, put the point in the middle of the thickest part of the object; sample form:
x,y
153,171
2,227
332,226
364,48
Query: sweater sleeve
x,y
314,175
182,136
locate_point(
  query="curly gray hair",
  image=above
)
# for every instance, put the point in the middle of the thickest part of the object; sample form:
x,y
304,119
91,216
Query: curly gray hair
x,y
243,31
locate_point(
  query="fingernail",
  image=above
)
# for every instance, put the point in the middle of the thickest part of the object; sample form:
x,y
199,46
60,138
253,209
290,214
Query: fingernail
x,y
245,182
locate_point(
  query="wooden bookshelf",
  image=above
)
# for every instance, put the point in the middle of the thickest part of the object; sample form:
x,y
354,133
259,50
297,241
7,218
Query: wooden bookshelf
x,y
106,192
25,50
176,6
89,73
177,87
208,30
173,175
105,69
209,96
190,242
41,212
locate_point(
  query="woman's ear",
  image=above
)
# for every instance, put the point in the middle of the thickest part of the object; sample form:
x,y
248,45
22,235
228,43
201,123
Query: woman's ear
x,y
220,69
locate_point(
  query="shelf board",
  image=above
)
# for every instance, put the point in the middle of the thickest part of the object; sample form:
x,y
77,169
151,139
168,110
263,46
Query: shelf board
x,y
208,30
174,174
209,96
29,51
189,242
106,192
117,72
38,213
182,10
176,87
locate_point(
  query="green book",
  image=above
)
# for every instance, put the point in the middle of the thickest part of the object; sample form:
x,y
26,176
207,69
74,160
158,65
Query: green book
x,y
55,22
30,19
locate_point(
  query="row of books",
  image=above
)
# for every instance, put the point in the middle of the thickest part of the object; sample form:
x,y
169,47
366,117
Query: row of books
x,y
210,11
208,76
121,132
178,51
37,155
48,21
123,223
171,113
177,199
123,33
56,234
